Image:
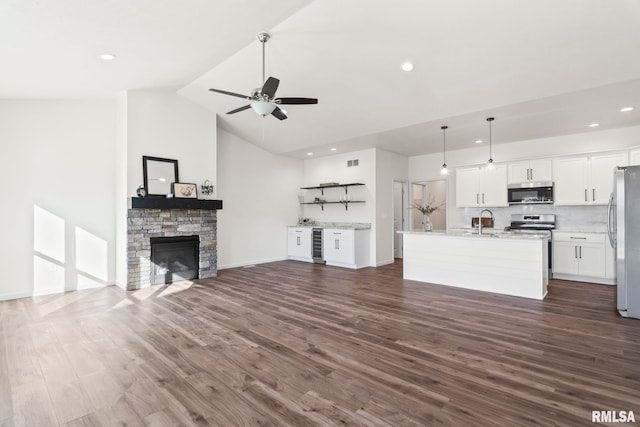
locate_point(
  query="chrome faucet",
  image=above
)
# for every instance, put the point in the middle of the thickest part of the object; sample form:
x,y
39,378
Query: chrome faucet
x,y
480,219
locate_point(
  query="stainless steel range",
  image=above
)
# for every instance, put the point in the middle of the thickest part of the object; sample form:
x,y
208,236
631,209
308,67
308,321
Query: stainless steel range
x,y
534,223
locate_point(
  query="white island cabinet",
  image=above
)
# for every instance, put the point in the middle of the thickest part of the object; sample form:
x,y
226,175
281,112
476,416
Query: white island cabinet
x,y
507,264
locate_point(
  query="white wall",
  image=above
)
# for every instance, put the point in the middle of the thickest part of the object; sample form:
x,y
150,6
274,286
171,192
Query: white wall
x,y
334,169
161,123
389,167
259,191
121,194
427,167
57,210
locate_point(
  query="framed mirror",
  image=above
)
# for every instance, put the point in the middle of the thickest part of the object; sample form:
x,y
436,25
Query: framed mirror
x,y
159,174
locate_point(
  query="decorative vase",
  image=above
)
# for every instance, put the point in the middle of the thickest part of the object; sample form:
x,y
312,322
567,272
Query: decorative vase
x,y
426,222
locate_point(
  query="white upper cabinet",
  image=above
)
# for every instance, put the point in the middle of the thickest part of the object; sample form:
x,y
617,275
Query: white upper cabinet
x,y
571,181
602,169
585,180
530,171
481,187
635,157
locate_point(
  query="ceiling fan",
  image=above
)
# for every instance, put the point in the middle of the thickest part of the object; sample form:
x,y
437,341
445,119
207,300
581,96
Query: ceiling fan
x,y
263,99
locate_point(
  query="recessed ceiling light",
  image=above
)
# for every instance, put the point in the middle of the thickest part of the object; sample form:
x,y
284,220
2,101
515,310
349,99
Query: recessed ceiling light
x,y
407,66
107,57
626,109
333,149
309,154
479,141
594,125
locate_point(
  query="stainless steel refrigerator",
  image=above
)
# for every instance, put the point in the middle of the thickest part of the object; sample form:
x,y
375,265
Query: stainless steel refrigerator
x,y
624,236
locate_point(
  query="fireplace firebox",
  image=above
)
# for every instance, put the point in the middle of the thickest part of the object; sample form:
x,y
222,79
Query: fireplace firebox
x,y
174,259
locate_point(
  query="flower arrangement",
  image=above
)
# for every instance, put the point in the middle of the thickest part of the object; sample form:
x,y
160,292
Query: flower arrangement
x,y
427,209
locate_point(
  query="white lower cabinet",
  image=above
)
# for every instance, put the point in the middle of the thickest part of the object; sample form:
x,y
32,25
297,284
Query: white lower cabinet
x,y
299,244
346,247
586,257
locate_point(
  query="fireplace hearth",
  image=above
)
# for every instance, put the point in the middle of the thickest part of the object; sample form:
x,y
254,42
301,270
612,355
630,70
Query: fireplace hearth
x,y
174,259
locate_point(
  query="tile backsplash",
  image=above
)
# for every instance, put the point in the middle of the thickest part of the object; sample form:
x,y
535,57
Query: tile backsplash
x,y
574,218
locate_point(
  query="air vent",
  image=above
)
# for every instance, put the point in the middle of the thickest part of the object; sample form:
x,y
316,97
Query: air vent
x,y
351,163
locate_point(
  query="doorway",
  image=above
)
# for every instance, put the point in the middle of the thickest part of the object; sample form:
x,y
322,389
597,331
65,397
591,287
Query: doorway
x,y
400,206
433,193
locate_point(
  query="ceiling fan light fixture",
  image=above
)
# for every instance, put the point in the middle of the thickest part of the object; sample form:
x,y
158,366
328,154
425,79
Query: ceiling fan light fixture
x,y
263,108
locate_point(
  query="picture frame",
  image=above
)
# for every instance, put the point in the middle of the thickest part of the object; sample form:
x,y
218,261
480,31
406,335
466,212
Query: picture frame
x,y
183,190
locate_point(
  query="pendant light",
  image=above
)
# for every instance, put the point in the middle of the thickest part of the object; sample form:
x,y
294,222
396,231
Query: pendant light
x,y
490,164
444,170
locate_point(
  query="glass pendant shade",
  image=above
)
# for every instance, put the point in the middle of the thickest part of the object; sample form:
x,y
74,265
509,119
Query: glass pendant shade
x,y
490,164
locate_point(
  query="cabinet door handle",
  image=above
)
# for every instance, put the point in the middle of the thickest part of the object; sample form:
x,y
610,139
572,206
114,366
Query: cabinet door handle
x,y
575,252
531,174
337,245
593,195
578,238
580,252
585,195
483,198
477,199
298,240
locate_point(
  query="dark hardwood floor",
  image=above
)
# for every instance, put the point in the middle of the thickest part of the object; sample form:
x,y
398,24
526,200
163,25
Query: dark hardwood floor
x,y
299,344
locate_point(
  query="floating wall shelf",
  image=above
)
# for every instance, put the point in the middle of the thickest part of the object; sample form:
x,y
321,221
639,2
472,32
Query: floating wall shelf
x,y
322,188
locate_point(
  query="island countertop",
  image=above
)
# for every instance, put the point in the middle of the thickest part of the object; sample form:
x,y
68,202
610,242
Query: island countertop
x,y
505,263
485,233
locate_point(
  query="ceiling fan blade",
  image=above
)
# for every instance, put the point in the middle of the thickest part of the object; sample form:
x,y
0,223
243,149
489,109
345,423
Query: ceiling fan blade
x,y
237,110
270,86
279,113
296,101
230,93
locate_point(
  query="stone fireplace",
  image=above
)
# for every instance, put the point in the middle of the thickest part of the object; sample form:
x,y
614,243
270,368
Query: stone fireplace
x,y
158,217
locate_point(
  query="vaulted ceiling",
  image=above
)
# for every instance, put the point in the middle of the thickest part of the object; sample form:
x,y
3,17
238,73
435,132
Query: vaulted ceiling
x,y
542,68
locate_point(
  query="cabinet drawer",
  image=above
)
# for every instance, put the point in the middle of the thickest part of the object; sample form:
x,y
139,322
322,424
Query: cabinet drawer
x,y
564,236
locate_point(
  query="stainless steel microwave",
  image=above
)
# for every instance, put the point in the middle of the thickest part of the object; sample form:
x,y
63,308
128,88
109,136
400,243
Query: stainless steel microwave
x,y
530,193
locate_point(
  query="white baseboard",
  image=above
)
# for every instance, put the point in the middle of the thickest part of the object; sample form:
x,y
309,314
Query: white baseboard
x,y
247,263
385,262
7,297
50,291
587,279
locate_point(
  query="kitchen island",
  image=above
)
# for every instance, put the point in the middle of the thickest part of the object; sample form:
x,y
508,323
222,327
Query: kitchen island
x,y
504,263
